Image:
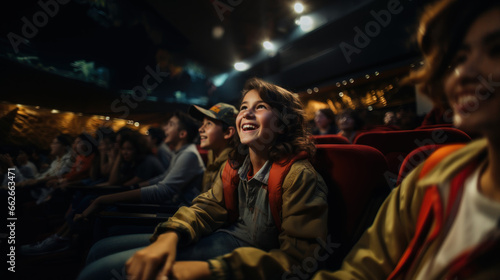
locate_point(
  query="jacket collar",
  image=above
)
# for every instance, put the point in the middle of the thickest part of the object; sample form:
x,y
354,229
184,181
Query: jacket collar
x,y
449,166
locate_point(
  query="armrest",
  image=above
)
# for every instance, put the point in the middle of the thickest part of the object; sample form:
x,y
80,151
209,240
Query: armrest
x,y
146,208
121,218
97,189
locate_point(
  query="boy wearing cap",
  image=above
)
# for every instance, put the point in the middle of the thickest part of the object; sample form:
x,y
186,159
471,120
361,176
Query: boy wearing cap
x,y
216,135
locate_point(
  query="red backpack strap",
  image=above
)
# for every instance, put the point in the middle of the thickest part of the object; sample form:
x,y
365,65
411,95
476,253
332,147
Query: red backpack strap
x,y
430,212
230,181
277,175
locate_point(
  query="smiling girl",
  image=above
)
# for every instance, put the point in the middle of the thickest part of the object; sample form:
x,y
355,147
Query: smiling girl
x,y
263,216
443,222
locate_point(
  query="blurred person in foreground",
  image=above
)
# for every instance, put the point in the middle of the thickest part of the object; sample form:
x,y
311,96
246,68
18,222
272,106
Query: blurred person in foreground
x,y
442,222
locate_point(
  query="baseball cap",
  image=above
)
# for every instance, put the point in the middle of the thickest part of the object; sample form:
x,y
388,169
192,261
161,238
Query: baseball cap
x,y
220,111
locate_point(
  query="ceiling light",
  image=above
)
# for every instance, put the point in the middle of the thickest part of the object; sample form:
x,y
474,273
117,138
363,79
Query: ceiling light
x,y
136,124
54,111
268,45
298,7
241,66
217,32
306,23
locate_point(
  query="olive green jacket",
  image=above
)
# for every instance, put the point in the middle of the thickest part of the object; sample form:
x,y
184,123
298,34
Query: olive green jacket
x,y
213,168
380,248
304,227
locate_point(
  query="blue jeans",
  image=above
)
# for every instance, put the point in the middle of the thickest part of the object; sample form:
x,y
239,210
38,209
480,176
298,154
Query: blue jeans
x,y
106,259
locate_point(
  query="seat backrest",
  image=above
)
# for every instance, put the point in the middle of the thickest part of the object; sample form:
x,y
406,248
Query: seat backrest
x,y
354,175
396,145
330,139
203,154
414,158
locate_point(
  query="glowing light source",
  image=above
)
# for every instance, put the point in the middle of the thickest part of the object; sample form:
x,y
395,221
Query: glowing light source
x,y
136,124
241,66
306,23
54,111
107,118
315,89
298,7
268,45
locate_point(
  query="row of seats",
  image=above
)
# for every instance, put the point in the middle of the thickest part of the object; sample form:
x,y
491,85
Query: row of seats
x,y
396,145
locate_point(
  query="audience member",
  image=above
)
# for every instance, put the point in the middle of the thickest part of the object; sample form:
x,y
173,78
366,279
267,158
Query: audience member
x,y
161,150
216,136
207,239
134,163
60,149
442,222
324,121
182,180
84,149
349,124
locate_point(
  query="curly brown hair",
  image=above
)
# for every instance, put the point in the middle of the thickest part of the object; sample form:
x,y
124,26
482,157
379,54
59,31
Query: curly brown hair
x,y
442,27
295,136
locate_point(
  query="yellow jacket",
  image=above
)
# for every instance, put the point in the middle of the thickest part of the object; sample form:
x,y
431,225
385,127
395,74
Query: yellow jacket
x,y
380,248
303,235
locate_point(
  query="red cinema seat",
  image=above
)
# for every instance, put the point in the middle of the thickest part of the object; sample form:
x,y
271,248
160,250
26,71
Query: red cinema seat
x,y
330,139
396,145
355,178
414,158
203,154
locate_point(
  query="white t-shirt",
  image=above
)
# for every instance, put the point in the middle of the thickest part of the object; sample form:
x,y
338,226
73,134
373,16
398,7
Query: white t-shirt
x,y
477,216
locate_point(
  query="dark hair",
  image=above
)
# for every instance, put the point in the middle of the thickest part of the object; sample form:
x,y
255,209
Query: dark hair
x,y
358,122
328,114
64,139
295,137
157,134
442,27
138,141
189,124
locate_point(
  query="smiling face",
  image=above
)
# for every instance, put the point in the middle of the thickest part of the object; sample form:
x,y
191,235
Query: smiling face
x,y
472,85
256,122
211,135
172,131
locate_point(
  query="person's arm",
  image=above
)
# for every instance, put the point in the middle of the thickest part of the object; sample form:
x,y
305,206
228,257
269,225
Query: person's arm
x,y
304,226
379,249
185,168
106,200
187,225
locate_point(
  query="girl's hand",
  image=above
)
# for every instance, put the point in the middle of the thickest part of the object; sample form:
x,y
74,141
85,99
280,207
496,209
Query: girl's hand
x,y
154,261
